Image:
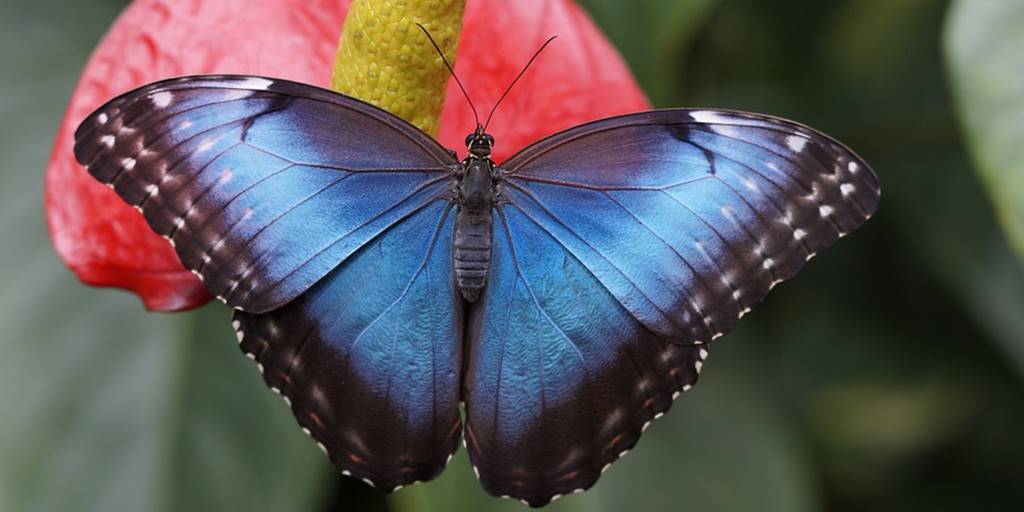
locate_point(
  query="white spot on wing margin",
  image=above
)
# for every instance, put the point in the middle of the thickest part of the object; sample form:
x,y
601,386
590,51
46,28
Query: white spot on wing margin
x,y
162,99
796,143
255,82
708,116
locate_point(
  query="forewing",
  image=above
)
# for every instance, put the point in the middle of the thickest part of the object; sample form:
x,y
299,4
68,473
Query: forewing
x,y
624,246
262,185
690,217
369,358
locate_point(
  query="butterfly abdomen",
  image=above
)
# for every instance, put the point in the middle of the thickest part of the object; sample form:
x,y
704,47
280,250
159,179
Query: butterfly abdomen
x,y
472,252
473,229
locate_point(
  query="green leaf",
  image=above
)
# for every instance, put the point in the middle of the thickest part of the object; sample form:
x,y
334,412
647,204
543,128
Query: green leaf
x,y
984,44
106,407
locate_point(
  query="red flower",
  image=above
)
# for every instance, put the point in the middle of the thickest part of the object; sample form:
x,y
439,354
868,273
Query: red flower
x,y
579,78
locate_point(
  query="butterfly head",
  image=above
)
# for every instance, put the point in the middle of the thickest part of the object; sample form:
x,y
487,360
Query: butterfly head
x,y
479,144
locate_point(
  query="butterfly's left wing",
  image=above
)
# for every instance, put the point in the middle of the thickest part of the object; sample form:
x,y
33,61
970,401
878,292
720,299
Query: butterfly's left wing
x,y
369,358
326,222
621,248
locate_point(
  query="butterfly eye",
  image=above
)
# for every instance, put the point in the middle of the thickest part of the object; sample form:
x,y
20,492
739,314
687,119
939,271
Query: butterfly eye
x,y
490,140
469,138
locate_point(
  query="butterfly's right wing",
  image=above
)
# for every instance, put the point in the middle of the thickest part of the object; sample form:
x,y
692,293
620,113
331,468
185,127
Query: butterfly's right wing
x,y
262,185
622,248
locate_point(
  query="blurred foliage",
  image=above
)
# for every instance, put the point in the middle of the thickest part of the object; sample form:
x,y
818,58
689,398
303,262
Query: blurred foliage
x,y
985,47
654,36
105,407
888,376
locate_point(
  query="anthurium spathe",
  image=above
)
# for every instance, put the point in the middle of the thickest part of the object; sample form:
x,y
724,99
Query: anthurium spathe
x,y
106,243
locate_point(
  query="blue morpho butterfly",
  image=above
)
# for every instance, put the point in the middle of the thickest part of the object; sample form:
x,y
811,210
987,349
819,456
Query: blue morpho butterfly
x,y
565,296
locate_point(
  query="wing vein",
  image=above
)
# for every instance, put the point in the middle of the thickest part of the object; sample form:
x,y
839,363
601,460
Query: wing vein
x,y
380,214
121,114
588,244
770,199
367,170
120,172
690,302
529,289
412,280
603,188
242,250
231,201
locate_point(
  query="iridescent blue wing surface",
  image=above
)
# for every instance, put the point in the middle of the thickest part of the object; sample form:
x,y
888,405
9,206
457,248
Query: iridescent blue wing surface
x,y
262,185
326,223
621,249
560,377
368,358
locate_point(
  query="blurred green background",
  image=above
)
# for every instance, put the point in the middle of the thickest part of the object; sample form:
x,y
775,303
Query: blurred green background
x,y
889,376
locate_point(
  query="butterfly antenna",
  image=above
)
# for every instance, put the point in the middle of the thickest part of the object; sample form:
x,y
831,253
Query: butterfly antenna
x,y
452,71
520,75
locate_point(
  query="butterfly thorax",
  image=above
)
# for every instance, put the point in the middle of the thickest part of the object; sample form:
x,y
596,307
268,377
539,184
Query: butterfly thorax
x,y
473,221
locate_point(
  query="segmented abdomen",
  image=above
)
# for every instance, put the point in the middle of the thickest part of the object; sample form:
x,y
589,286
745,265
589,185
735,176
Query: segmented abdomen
x,y
472,252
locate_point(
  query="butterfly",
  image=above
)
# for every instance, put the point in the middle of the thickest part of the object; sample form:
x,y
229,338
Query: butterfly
x,y
544,310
